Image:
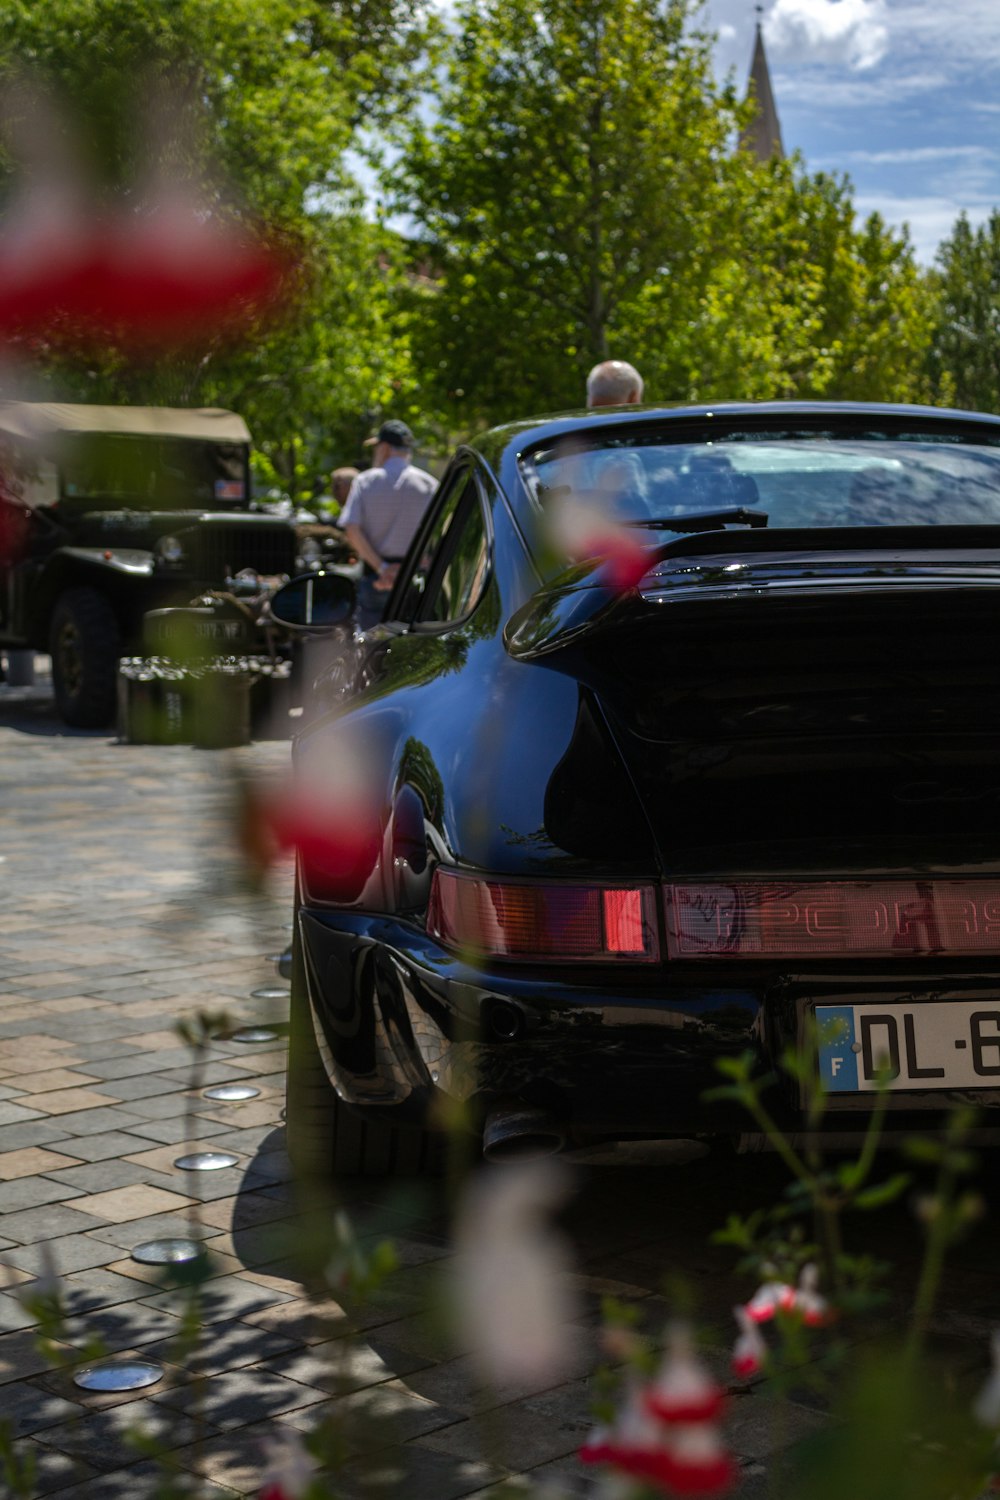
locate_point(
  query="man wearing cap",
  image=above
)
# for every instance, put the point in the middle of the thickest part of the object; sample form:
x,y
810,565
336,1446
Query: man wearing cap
x,y
384,508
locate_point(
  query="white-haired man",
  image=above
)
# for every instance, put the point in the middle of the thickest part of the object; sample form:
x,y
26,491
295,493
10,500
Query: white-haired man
x,y
614,382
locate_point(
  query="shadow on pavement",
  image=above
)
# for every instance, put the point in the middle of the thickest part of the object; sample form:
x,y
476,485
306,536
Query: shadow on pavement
x,y
32,710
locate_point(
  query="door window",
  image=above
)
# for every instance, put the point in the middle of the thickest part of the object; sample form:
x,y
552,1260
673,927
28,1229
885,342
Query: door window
x,y
414,586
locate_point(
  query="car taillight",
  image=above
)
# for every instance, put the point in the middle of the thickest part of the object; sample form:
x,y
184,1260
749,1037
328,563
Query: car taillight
x,y
879,918
526,921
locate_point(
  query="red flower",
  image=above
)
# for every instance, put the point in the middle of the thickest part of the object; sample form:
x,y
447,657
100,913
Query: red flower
x,y
683,1390
768,1299
750,1350
625,560
160,282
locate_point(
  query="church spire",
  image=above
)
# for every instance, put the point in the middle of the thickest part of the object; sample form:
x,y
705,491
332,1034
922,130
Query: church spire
x,y
763,134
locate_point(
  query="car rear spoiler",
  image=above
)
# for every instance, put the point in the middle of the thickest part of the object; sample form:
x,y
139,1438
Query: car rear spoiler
x,y
586,598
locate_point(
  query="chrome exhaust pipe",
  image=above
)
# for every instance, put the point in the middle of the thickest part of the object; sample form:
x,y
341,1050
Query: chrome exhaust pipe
x,y
519,1131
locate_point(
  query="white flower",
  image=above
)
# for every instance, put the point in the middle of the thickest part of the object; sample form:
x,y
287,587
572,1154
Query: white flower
x,y
512,1297
683,1390
986,1408
813,1307
288,1468
767,1300
750,1350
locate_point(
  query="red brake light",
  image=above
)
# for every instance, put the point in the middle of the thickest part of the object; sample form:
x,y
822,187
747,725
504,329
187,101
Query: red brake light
x,y
520,920
879,918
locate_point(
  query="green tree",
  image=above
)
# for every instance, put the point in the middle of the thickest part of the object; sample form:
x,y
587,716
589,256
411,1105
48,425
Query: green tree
x,y
800,303
580,194
261,101
571,160
964,359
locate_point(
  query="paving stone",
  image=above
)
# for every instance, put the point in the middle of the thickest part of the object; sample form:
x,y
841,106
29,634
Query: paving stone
x,y
141,1480
230,1346
344,1364
144,1086
55,1078
233,1460
39,1131
758,1425
303,1320
33,1192
101,1440
416,1472
16,1114
159,1226
94,1121
104,1146
522,1434
235,1398
229,1297
97,1177
139,1201
13,1315
71,1252
381,1416
31,1160
29,1407
21,1358
102,1287
128,1325
49,1222
171,1132
55,1471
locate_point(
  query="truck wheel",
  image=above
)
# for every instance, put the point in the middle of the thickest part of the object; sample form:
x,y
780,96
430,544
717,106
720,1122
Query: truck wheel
x,y
326,1139
85,644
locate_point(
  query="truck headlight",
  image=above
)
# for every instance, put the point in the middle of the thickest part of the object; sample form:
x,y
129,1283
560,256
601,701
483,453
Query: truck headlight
x,y
310,552
169,550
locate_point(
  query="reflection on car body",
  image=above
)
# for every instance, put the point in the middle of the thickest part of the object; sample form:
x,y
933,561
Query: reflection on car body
x,y
621,832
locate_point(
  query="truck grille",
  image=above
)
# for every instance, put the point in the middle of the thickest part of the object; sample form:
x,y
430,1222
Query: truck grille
x,y
218,552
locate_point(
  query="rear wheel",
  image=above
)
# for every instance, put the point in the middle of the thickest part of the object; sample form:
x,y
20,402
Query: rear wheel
x,y
85,645
327,1139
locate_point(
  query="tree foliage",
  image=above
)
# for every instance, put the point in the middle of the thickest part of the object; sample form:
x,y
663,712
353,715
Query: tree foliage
x,y
258,102
580,193
965,347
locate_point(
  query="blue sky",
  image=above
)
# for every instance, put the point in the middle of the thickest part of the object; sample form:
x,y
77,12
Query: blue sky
x,y
903,95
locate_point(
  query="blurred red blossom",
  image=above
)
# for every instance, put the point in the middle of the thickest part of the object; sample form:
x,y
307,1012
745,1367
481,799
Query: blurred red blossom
x,y
337,838
152,270
667,1435
750,1350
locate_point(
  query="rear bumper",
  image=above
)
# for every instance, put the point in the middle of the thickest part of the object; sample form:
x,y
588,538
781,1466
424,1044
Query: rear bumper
x,y
402,1022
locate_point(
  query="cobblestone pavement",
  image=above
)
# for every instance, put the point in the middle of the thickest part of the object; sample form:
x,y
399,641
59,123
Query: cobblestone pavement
x,y
121,911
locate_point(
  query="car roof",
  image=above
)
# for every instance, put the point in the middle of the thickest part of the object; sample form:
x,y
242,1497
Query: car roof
x,y
39,419
513,438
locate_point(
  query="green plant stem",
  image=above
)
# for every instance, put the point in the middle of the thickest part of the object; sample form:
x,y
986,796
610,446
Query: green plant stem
x,y
938,1240
784,1148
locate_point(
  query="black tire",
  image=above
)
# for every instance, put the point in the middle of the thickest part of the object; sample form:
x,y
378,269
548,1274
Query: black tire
x,y
326,1139
85,644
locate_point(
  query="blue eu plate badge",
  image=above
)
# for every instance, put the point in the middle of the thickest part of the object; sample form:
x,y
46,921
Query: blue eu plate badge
x,y
836,1045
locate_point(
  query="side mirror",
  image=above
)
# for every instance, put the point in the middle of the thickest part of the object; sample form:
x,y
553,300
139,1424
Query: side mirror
x,y
317,601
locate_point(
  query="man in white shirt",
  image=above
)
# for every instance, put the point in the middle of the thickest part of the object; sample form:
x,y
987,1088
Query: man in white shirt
x,y
384,508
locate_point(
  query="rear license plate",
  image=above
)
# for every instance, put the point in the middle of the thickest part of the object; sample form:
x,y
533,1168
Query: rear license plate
x,y
938,1045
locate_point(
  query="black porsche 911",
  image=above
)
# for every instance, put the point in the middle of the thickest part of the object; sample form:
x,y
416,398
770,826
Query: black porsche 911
x,y
680,736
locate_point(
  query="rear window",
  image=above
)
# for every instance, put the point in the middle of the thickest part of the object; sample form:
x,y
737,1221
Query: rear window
x,y
805,479
151,472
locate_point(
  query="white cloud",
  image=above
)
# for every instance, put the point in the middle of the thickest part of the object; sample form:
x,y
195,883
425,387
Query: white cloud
x,y
905,155
930,219
852,33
